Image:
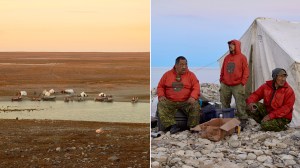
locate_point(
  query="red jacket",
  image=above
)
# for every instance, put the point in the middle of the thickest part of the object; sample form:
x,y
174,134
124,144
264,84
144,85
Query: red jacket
x,y
235,67
189,86
281,105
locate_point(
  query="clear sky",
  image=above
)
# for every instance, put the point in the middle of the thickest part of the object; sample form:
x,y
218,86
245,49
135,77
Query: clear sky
x,y
75,25
200,29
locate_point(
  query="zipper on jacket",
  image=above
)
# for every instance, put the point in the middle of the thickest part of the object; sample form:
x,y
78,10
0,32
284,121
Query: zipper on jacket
x,y
273,94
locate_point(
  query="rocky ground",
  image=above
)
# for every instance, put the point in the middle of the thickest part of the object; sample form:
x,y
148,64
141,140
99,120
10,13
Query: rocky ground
x,y
46,143
250,149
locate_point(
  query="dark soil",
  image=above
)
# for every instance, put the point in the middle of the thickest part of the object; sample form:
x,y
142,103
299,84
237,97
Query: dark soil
x,y
46,143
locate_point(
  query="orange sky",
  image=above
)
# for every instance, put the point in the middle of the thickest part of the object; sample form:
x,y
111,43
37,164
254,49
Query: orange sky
x,y
75,25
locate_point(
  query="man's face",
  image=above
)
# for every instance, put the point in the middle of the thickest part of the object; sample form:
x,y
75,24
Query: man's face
x,y
231,47
281,79
181,67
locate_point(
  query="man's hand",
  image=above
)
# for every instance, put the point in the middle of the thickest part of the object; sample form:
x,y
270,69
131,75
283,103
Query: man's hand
x,y
266,118
162,98
191,100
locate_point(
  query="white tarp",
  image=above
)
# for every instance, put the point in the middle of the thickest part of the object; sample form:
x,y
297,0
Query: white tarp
x,y
269,44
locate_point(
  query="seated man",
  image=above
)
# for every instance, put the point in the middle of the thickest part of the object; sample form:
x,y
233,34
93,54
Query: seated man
x,y
178,88
279,98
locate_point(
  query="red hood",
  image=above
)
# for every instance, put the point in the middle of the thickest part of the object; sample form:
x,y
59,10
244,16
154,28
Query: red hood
x,y
237,46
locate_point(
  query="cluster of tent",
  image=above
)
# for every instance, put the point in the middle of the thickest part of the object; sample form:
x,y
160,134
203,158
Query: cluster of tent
x,y
48,93
102,97
66,91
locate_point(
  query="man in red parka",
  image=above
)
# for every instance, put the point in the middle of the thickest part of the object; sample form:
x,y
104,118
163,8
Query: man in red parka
x,y
178,89
233,78
279,98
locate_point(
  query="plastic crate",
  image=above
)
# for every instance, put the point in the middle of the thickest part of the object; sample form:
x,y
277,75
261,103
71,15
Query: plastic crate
x,y
209,112
181,118
225,113
181,121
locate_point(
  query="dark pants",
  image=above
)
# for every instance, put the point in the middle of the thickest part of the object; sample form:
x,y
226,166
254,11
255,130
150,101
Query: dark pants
x,y
277,124
167,110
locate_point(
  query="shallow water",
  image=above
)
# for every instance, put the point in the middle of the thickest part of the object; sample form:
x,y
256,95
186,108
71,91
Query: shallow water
x,y
80,111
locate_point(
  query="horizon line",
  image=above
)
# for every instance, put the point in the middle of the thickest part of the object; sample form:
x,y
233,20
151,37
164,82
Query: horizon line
x,y
188,67
73,51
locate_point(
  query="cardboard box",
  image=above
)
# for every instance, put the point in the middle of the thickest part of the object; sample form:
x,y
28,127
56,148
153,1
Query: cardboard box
x,y
217,128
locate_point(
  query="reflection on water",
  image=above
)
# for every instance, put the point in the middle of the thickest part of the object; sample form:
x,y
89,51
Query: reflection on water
x,y
82,111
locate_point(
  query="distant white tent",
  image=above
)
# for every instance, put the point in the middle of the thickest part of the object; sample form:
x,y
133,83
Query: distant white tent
x,y
47,93
23,93
102,94
83,94
44,92
69,91
52,91
268,44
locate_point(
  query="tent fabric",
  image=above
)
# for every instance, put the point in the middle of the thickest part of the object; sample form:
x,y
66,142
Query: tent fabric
x,y
23,93
70,91
268,44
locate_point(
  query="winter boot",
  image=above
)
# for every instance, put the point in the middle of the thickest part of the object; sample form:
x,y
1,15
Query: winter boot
x,y
243,123
174,129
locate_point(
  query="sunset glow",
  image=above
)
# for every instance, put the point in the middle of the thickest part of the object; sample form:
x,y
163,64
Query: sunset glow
x,y
78,25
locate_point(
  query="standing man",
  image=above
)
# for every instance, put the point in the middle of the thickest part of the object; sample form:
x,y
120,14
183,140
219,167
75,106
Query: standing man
x,y
233,78
178,89
279,98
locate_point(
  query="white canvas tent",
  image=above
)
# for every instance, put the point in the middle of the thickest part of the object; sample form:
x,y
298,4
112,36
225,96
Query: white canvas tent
x,y
269,44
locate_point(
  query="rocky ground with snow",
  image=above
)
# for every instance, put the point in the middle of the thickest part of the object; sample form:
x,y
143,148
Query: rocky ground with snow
x,y
210,92
252,148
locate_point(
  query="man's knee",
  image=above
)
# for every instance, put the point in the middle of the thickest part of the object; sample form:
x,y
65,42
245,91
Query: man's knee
x,y
196,106
164,106
272,125
161,104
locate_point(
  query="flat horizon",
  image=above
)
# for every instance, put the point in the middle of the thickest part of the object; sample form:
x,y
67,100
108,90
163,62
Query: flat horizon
x,y
74,51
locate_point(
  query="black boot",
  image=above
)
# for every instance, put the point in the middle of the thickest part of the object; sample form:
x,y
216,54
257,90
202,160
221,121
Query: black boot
x,y
243,123
174,129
